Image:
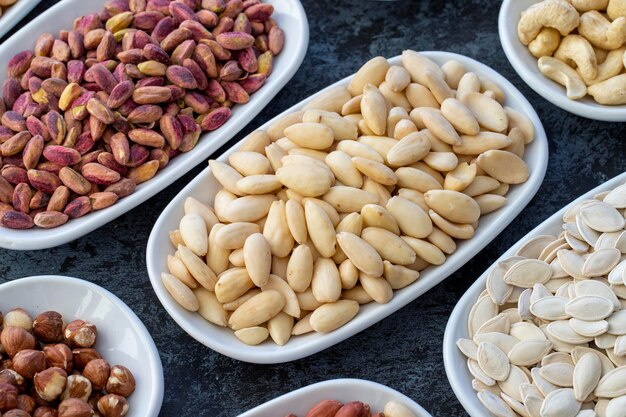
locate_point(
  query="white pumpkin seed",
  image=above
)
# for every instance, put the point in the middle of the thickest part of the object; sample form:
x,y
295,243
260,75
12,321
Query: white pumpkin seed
x,y
468,348
526,331
544,386
617,323
478,373
495,404
560,374
601,262
511,384
587,233
493,361
504,342
602,217
616,407
562,331
589,307
532,248
527,273
560,403
613,384
483,310
589,328
550,308
529,352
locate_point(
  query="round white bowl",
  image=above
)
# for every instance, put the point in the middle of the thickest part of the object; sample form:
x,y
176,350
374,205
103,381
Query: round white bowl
x,y
289,14
343,390
526,66
204,187
455,362
122,337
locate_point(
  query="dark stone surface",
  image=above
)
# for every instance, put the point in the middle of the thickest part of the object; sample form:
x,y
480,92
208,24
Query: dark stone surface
x,y
403,351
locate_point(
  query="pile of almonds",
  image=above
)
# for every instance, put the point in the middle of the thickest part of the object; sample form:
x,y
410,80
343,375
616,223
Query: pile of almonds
x,y
343,202
547,337
332,408
86,117
52,370
4,4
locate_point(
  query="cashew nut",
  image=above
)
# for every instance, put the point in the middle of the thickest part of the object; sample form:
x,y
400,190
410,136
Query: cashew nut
x,y
612,66
577,49
563,74
545,43
611,91
557,14
616,8
585,5
601,32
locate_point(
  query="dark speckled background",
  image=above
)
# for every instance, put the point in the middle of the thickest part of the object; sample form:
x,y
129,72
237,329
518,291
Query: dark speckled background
x,y
404,350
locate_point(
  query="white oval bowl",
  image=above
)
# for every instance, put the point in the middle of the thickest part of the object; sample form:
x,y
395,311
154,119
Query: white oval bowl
x,y
289,14
455,362
13,14
526,66
204,187
122,337
342,390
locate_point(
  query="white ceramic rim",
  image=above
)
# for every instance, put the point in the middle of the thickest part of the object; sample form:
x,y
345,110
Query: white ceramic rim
x,y
548,89
152,358
336,385
15,13
486,233
454,361
285,66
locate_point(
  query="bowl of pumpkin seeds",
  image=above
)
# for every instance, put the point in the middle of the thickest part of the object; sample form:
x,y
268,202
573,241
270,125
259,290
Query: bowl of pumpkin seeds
x,y
543,331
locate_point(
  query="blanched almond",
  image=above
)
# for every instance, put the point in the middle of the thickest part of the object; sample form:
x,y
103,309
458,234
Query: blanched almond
x,y
257,256
377,287
252,335
332,316
192,205
217,257
343,169
399,276
411,218
280,328
389,245
453,205
360,253
320,228
249,163
309,180
193,232
197,268
234,235
300,268
275,283
372,72
232,284
310,135
348,199
504,166
180,292
374,215
257,310
276,230
374,109
209,308
296,221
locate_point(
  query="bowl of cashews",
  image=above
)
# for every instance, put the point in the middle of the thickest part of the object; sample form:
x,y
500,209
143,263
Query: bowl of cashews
x,y
571,52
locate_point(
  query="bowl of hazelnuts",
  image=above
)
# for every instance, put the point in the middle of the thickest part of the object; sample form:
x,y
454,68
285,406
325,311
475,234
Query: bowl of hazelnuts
x,y
69,348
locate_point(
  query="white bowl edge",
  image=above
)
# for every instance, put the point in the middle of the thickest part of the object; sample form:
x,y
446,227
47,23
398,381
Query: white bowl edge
x,y
454,361
525,64
343,390
15,13
147,369
224,341
290,16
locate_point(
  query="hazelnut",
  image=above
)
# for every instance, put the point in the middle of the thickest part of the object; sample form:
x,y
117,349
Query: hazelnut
x,y
93,400
50,383
18,317
16,413
26,403
121,381
38,400
83,356
112,405
73,407
9,376
28,362
80,333
8,397
15,339
59,355
97,371
45,411
48,327
77,387
6,364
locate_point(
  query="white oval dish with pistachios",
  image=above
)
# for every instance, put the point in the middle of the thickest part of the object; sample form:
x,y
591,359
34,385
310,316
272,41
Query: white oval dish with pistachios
x,y
328,222
543,331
